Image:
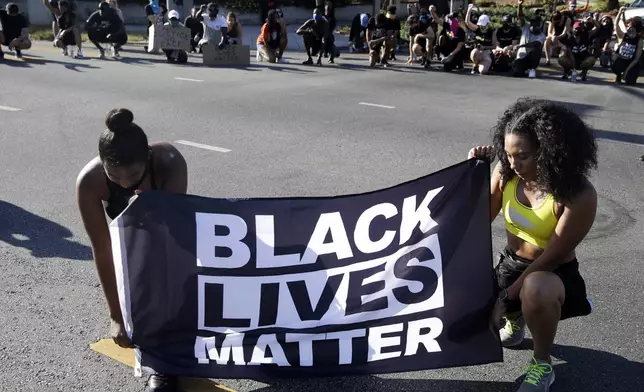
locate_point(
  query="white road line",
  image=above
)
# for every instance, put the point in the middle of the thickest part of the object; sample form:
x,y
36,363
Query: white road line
x,y
204,146
189,80
9,109
376,105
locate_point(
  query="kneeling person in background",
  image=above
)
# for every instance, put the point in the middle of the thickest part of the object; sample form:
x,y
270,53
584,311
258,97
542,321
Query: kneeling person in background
x,y
175,55
68,32
268,42
576,55
194,23
507,39
105,26
15,31
530,45
451,43
421,37
378,35
315,33
628,53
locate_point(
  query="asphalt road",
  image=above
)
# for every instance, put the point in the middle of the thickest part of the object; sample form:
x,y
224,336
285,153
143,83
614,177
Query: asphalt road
x,y
291,130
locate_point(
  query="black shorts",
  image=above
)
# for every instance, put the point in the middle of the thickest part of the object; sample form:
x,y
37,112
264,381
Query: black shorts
x,y
510,267
313,43
7,40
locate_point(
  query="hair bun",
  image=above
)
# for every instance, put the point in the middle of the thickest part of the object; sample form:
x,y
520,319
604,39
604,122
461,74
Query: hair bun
x,y
118,120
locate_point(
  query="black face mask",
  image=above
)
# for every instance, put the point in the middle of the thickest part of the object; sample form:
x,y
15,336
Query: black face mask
x,y
506,25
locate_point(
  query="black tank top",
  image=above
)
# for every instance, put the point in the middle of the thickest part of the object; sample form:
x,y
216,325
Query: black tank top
x,y
628,47
119,196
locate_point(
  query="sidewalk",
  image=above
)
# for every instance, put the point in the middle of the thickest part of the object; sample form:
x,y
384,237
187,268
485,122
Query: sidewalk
x,y
251,32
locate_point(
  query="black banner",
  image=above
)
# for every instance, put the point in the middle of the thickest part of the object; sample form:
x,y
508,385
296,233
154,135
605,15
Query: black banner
x,y
398,279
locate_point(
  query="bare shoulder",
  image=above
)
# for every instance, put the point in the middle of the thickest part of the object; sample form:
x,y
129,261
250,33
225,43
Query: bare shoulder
x,y
166,156
585,200
91,176
497,178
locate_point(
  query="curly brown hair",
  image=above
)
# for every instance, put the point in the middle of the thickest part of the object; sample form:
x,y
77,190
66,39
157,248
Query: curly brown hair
x,y
566,149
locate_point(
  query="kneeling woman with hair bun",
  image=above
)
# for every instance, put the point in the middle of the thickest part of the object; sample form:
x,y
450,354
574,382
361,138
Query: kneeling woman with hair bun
x,y
541,187
126,164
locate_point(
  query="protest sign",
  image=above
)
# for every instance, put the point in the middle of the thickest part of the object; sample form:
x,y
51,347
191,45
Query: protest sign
x,y
393,280
169,38
230,55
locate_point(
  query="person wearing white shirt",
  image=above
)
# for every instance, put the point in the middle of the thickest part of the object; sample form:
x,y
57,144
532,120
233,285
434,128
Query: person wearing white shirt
x,y
213,21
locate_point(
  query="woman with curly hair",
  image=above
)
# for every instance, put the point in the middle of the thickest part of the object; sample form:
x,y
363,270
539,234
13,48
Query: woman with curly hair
x,y
541,187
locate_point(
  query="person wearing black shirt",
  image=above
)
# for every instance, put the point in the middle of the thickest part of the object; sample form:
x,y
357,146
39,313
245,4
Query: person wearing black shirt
x,y
508,37
394,26
15,30
576,53
315,33
602,41
193,22
105,26
628,52
379,33
421,37
279,14
451,43
358,32
329,48
485,41
66,23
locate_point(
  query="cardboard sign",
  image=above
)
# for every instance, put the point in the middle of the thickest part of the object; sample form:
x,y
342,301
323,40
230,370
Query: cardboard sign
x,y
230,55
169,37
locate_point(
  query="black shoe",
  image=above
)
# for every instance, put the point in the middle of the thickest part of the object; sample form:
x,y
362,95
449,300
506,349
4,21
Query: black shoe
x,y
642,158
584,75
1,55
161,383
308,62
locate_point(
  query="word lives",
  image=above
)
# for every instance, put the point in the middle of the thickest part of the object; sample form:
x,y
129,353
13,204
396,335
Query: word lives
x,y
340,309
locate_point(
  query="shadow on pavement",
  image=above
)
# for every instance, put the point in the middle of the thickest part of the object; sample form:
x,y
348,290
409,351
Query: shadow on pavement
x,y
620,136
378,384
29,61
584,370
591,370
41,236
586,110
595,371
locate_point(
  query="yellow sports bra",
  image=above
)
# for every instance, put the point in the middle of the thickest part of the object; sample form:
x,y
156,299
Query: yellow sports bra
x,y
534,225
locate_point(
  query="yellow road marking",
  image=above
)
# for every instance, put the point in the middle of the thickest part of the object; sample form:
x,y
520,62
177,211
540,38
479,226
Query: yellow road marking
x,y
125,356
